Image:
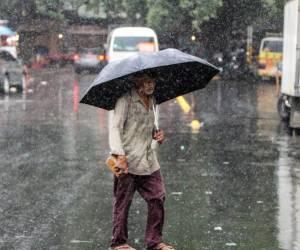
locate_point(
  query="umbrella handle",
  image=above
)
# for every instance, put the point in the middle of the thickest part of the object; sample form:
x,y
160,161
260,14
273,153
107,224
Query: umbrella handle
x,y
155,117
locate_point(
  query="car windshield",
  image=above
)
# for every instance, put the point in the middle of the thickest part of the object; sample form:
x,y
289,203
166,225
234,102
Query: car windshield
x,y
133,44
273,46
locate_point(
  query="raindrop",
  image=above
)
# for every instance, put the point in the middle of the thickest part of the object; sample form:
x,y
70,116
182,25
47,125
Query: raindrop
x,y
22,236
218,228
80,241
176,193
230,244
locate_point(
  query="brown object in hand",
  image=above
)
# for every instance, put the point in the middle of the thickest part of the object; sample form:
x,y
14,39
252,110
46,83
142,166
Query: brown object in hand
x,y
111,162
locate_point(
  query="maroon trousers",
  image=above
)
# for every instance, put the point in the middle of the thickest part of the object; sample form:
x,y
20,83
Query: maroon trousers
x,y
151,188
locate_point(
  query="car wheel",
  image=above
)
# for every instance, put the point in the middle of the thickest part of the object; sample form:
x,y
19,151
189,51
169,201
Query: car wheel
x,y
283,110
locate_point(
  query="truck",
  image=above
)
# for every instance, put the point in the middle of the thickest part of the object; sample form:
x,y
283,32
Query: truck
x,y
288,104
270,53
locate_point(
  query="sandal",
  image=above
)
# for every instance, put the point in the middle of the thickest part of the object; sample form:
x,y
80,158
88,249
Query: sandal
x,y
122,247
163,246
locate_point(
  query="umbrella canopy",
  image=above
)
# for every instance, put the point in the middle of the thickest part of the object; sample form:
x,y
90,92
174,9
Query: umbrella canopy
x,y
5,31
176,73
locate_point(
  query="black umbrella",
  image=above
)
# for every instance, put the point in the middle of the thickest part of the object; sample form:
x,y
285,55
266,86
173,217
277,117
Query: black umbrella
x,y
176,73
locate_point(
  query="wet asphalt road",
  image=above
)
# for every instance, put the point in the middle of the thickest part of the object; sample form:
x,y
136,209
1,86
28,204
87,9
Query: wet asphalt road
x,y
232,184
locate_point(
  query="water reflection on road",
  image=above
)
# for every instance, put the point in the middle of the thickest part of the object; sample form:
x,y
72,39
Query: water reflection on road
x,y
231,183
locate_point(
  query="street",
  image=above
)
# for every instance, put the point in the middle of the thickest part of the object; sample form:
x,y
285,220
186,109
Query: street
x,y
231,183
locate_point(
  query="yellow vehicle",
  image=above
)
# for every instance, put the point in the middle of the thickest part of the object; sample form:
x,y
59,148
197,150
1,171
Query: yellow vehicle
x,y
270,54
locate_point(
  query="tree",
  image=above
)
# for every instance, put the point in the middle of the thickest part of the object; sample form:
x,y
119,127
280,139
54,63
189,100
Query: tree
x,y
200,10
275,13
136,11
228,29
176,20
166,19
132,12
53,8
112,8
12,8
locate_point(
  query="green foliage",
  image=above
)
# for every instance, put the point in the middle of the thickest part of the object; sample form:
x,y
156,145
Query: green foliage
x,y
112,8
165,15
276,6
136,11
132,11
9,8
200,10
168,14
50,8
174,20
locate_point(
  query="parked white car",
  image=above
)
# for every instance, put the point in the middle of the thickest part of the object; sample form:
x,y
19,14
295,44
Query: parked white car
x,y
12,73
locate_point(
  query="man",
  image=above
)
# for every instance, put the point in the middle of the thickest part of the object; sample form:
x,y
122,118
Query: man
x,y
131,136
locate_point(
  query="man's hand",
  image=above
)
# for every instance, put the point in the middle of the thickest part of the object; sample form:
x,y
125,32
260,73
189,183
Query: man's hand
x,y
159,136
122,165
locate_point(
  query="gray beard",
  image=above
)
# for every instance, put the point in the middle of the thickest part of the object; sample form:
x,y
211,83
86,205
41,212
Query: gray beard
x,y
149,94
143,92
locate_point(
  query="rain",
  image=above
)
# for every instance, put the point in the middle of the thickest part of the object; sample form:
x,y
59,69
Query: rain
x,y
230,158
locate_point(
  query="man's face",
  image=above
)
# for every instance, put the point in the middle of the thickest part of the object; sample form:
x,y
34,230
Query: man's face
x,y
145,85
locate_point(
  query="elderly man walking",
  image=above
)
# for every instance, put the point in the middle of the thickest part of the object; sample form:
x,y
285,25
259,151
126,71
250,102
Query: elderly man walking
x,y
131,135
